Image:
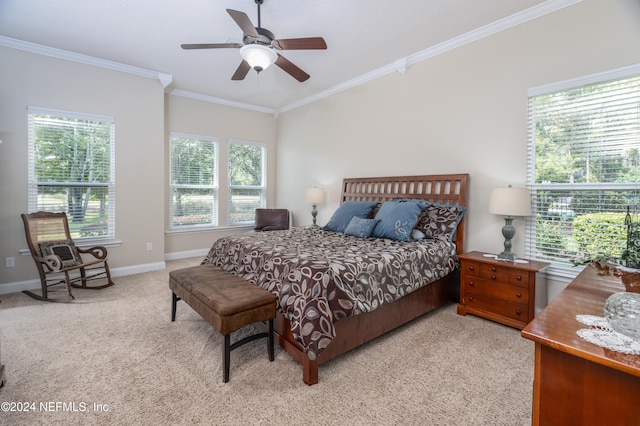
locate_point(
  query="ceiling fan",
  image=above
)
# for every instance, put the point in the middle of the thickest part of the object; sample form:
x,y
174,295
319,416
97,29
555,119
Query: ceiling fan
x,y
259,47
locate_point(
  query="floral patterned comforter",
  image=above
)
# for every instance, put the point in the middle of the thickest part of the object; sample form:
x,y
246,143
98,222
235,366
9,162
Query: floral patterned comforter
x,y
321,276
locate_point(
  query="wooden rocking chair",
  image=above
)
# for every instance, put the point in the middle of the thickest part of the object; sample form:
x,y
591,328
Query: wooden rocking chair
x,y
58,259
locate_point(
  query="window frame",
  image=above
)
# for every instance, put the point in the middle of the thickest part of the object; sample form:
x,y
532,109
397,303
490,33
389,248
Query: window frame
x,y
563,270
215,186
33,184
263,177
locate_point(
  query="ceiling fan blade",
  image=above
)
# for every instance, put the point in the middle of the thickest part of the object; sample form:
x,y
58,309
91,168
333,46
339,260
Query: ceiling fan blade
x,y
291,69
212,46
242,71
243,22
300,43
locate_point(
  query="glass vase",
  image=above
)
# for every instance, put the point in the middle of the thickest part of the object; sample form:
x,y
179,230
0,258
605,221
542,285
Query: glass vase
x,y
622,311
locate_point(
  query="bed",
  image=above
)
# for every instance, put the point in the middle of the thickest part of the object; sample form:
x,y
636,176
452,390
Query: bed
x,y
338,288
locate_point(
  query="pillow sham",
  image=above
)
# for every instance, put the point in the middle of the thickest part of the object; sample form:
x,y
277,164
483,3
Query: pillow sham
x,y
361,228
440,220
65,249
397,219
347,210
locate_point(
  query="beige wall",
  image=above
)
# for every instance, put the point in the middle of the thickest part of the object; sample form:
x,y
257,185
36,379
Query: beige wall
x,y
137,103
462,111
191,116
144,116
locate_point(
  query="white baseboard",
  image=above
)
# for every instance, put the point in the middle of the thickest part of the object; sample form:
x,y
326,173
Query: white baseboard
x,y
19,286
137,269
186,254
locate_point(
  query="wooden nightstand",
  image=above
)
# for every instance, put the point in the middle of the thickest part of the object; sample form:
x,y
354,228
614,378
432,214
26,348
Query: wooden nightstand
x,y
501,291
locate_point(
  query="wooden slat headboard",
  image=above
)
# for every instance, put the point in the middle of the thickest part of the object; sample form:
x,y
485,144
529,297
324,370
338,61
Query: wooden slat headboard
x,y
444,189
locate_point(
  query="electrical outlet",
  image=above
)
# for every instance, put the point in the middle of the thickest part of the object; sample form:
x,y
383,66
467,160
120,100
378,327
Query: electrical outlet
x,y
149,246
10,262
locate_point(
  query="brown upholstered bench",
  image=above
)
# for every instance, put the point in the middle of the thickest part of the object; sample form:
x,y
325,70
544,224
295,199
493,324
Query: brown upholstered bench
x,y
227,302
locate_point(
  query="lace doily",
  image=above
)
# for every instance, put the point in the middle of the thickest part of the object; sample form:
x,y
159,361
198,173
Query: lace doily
x,y
603,335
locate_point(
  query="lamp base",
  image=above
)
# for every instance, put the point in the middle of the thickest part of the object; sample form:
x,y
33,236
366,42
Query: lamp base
x,y
314,214
508,232
507,256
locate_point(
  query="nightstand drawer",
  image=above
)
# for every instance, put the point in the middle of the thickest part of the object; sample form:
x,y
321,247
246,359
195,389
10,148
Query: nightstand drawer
x,y
496,290
471,268
494,273
519,278
503,308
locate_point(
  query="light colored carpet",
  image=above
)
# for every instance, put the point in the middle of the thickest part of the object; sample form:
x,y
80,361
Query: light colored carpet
x,y
117,348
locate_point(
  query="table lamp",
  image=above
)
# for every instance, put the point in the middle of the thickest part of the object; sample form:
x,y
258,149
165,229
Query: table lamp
x,y
509,202
315,196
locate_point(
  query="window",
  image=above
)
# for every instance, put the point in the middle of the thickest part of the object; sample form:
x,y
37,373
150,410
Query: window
x,y
72,169
193,181
247,181
584,166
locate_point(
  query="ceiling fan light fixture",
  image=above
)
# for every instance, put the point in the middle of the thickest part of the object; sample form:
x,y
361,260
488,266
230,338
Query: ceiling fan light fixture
x,y
258,56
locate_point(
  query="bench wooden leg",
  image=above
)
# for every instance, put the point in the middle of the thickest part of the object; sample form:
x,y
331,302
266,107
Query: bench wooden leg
x,y
270,341
226,357
228,347
174,302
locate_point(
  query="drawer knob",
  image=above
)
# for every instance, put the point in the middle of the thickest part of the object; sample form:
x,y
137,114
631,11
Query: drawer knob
x,y
493,269
518,295
517,311
471,283
493,277
470,298
471,268
518,277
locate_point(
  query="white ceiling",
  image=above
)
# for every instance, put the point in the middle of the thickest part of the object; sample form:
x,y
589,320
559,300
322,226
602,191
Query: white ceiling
x,y
363,36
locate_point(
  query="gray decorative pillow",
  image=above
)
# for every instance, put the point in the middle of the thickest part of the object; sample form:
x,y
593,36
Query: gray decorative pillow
x,y
347,210
65,249
440,220
361,228
397,219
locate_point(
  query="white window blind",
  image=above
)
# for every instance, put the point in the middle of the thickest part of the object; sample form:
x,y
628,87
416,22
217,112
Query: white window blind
x,y
583,168
247,180
72,169
193,181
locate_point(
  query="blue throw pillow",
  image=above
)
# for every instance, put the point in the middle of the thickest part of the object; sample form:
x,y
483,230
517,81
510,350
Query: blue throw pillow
x,y
361,228
397,219
347,210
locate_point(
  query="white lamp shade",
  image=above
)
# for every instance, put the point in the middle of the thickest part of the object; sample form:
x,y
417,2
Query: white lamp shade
x,y
315,195
258,56
510,202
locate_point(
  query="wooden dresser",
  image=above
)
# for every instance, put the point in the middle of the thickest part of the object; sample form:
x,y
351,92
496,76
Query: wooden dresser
x,y
501,291
577,382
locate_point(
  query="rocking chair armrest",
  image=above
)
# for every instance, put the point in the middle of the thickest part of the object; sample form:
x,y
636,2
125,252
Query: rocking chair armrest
x,y
99,252
51,262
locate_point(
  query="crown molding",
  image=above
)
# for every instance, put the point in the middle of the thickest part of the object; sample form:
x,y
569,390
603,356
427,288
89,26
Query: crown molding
x,y
164,78
403,64
221,101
